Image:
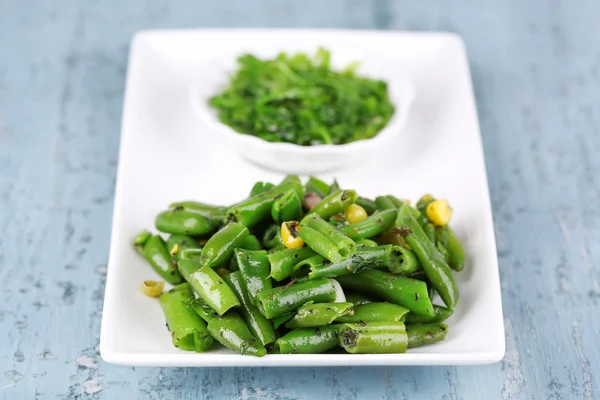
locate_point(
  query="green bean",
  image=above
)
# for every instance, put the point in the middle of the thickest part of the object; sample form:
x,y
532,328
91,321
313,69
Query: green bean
x,y
374,337
325,239
369,205
254,268
281,300
219,248
179,221
429,230
319,314
335,186
283,261
405,261
257,208
334,203
178,243
405,292
396,201
282,319
421,335
231,331
365,243
200,307
441,235
375,312
209,285
358,299
304,267
272,237
440,315
317,186
372,226
384,203
309,340
260,327
456,252
365,257
437,270
155,252
141,239
288,207
260,187
188,330
202,208
251,243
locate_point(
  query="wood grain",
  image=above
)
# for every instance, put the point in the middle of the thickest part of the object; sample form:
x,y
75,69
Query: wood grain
x,y
536,71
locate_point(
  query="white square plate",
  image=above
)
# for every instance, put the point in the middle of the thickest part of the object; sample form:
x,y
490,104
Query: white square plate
x,y
166,155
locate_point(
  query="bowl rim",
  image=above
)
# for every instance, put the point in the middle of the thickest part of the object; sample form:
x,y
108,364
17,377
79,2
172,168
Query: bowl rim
x,y
397,122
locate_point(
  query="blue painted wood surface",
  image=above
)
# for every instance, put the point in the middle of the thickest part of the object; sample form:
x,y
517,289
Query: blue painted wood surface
x,y
536,70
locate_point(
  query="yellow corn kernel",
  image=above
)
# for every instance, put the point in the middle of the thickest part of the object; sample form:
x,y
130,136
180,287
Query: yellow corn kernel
x,y
355,213
175,249
439,212
153,288
290,235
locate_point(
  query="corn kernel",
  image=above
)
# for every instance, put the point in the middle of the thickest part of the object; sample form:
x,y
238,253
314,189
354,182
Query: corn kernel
x,y
175,249
153,288
355,213
439,212
290,235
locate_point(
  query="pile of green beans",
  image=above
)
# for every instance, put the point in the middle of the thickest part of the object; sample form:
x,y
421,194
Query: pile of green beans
x,y
305,268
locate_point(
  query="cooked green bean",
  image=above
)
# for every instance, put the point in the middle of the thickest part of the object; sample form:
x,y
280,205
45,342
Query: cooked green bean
x,y
176,244
260,187
209,285
179,221
405,292
317,186
199,207
260,327
374,337
231,331
441,314
369,205
358,298
375,312
272,237
365,243
372,226
437,270
319,314
309,340
155,252
257,208
283,261
456,252
335,203
188,330
288,207
200,307
219,248
365,257
281,300
254,268
325,239
421,335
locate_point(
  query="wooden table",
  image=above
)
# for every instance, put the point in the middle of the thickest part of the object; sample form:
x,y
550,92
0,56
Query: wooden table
x,y
536,70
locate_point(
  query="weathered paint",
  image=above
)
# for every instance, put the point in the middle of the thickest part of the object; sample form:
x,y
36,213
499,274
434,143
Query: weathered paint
x,y
536,70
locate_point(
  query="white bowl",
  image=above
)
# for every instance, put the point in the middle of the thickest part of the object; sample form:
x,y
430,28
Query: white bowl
x,y
292,158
